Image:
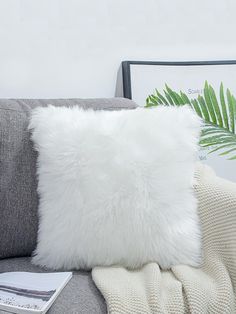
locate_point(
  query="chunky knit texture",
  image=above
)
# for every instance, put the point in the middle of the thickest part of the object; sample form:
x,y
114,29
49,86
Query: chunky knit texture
x,y
184,289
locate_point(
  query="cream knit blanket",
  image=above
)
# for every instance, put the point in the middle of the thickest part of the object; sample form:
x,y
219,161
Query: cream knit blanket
x,y
183,289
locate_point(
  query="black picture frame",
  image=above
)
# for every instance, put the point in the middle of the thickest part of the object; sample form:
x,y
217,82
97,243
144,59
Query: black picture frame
x,y
126,73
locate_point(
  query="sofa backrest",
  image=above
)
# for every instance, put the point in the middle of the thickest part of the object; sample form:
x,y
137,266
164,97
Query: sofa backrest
x,y
18,182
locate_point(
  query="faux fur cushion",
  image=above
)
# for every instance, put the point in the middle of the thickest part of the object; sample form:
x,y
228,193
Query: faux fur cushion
x,y
116,187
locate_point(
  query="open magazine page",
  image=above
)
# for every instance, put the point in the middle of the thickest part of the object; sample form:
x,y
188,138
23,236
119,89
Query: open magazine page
x,y
30,290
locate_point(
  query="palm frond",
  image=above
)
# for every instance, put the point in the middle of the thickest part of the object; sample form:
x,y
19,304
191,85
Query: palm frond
x,y
219,115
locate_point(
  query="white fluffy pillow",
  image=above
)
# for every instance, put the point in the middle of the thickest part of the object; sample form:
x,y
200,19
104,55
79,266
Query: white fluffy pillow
x,y
116,187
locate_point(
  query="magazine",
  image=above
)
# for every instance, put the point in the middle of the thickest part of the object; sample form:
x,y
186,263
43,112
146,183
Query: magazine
x,y
25,292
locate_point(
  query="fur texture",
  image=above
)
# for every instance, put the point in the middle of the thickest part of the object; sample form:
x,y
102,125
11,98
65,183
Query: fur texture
x,y
116,187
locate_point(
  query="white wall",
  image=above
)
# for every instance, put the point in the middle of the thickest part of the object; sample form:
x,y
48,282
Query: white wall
x,y
73,48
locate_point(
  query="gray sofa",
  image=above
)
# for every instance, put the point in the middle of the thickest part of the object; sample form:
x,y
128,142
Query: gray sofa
x,y
19,199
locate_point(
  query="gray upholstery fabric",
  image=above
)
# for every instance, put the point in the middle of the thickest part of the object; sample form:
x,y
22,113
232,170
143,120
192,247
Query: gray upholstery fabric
x,y
80,296
18,182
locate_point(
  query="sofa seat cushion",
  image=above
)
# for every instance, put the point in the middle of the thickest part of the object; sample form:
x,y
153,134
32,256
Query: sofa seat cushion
x,y
80,296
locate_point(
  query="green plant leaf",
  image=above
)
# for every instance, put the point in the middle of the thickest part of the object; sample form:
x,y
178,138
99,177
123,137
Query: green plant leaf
x,y
185,98
215,105
196,107
172,95
169,98
214,138
204,109
155,100
208,131
223,106
228,151
149,102
231,110
209,103
221,147
161,97
218,142
180,100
